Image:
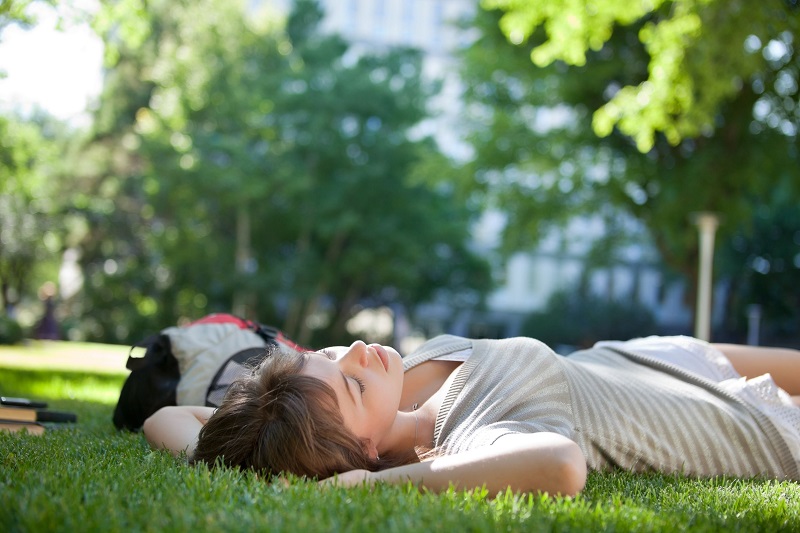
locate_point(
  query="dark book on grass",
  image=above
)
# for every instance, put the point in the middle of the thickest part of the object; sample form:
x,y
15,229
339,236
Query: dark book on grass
x,y
33,428
22,402
24,410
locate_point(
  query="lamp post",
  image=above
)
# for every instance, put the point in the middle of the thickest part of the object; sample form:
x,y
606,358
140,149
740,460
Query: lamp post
x,y
707,224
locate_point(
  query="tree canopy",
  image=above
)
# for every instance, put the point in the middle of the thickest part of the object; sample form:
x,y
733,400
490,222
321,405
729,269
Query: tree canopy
x,y
700,55
537,157
15,11
32,153
235,155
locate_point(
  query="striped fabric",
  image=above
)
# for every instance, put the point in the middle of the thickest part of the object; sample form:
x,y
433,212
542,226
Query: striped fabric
x,y
623,409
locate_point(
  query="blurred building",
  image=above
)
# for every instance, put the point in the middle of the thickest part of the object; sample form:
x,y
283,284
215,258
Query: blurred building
x,y
527,279
428,25
633,272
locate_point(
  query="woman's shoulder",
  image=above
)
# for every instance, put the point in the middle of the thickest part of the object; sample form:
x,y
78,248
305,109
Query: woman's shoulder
x,y
436,347
441,344
444,344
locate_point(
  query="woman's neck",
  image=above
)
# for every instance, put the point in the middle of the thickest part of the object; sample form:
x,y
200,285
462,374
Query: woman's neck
x,y
416,420
425,419
422,382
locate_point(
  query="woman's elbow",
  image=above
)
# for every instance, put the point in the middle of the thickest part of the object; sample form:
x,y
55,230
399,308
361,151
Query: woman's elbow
x,y
149,426
572,470
154,425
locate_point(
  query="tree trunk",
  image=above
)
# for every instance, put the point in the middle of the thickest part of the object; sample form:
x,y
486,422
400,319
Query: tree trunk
x,y
296,309
243,300
4,289
331,256
339,327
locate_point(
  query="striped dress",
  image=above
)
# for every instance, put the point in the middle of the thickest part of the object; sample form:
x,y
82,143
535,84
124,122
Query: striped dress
x,y
624,409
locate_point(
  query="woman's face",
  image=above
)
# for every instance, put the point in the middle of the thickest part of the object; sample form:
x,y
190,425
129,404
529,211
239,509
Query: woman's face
x,y
368,381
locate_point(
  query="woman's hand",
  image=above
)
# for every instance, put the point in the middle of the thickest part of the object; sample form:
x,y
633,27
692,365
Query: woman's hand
x,y
352,478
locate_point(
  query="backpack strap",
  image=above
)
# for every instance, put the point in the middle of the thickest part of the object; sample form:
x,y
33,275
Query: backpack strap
x,y
238,365
156,346
273,335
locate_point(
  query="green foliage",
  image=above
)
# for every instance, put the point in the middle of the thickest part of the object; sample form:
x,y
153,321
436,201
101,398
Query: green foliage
x,y
579,320
538,159
235,158
763,262
10,330
697,60
16,12
93,478
28,202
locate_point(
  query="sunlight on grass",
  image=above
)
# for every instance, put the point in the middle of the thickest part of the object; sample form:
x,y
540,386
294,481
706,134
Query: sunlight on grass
x,y
63,355
63,370
63,347
81,386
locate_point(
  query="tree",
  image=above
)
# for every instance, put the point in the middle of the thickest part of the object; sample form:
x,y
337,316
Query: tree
x,y
762,260
364,230
262,159
15,12
32,150
27,205
538,158
175,153
696,63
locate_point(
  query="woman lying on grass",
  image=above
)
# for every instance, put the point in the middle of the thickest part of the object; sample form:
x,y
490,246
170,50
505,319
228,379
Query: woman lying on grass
x,y
503,413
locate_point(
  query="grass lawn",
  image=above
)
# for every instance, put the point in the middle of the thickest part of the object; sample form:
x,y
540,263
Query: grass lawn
x,y
92,478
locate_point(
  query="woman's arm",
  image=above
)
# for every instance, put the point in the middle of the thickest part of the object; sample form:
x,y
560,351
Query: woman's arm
x,y
536,462
751,361
176,428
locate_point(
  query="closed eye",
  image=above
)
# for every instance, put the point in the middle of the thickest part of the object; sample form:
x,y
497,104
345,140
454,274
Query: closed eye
x,y
330,355
360,382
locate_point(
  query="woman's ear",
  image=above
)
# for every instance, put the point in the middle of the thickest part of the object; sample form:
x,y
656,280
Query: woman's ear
x,y
372,450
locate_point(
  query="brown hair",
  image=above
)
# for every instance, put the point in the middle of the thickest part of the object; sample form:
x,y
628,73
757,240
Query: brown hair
x,y
279,420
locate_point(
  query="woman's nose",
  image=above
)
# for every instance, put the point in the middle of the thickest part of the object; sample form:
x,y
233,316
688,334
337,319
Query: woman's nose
x,y
357,353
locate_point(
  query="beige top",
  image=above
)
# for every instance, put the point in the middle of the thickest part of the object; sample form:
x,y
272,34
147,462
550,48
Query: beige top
x,y
622,408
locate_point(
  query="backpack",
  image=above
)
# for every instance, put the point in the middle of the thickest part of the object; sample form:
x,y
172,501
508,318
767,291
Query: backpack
x,y
192,365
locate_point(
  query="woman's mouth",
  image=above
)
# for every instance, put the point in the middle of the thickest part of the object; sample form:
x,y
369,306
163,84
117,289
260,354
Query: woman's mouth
x,y
382,355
